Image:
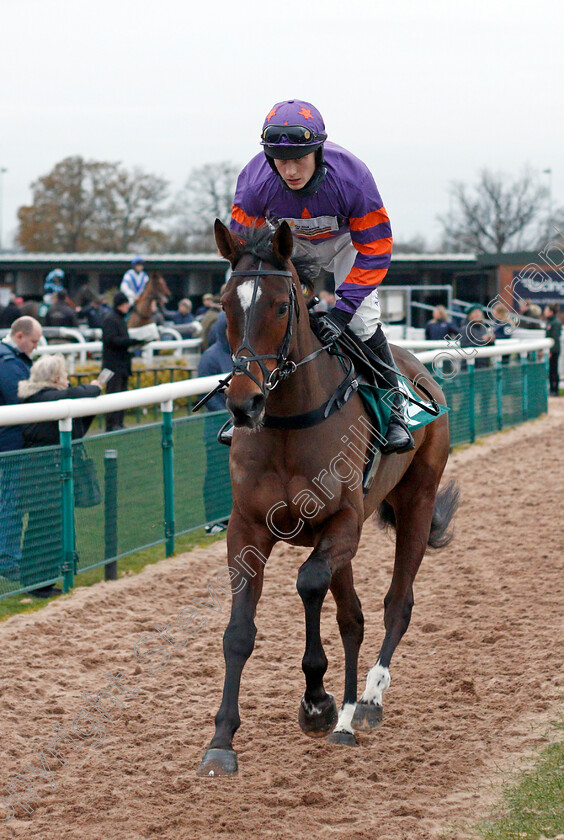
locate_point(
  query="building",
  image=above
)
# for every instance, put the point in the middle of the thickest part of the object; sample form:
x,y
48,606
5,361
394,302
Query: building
x,y
467,277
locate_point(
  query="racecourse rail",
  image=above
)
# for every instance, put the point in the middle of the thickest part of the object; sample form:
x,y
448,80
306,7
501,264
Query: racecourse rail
x,y
161,480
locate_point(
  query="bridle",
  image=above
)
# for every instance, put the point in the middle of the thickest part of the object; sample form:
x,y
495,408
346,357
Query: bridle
x,y
284,366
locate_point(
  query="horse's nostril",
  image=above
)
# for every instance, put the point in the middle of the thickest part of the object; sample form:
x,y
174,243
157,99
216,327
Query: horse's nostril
x,y
257,403
244,413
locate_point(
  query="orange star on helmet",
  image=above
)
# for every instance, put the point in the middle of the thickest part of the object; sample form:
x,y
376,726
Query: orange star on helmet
x,y
270,115
305,112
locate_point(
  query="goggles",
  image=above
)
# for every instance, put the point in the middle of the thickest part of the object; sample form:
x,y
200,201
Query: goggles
x,y
294,134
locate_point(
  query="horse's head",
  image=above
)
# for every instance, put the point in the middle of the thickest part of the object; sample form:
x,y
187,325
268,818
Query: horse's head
x,y
157,288
262,303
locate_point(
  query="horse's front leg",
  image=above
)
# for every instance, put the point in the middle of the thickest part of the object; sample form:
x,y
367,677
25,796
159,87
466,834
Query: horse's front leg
x,y
318,710
247,556
351,627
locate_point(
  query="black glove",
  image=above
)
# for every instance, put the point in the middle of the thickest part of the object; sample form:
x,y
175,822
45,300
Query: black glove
x,y
334,323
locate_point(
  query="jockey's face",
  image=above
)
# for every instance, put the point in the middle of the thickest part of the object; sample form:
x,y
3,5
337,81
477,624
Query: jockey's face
x,y
138,267
296,172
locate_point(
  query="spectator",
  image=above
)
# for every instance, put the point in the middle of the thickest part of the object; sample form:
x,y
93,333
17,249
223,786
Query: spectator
x,y
184,314
134,281
116,342
15,364
207,303
476,333
10,313
208,320
217,359
533,311
60,314
439,327
553,330
95,311
504,325
41,556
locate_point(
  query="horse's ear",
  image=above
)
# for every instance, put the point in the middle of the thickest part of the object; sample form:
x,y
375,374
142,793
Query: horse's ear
x,y
283,242
228,245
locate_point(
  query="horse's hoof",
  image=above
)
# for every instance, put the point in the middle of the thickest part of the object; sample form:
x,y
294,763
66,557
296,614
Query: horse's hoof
x,y
345,739
317,721
218,763
367,716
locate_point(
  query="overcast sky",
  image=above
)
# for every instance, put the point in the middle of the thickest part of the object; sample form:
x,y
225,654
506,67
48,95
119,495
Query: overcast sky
x,y
424,92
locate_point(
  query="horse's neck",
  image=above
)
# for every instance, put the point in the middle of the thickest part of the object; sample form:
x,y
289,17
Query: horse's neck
x,y
143,305
312,383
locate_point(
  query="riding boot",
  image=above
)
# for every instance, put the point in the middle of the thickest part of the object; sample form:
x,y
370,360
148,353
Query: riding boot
x,y
398,437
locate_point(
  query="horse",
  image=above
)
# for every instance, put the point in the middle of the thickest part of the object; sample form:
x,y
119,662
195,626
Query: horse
x,y
294,480
141,312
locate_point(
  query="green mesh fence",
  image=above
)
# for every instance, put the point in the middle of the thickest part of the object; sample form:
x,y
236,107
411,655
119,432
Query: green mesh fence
x,y
488,399
138,495
202,490
125,496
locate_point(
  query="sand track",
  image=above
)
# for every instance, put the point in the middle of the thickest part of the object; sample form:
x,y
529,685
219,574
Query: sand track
x,y
473,682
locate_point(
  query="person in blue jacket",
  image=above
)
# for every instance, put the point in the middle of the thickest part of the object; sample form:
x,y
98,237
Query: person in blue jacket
x,y
15,365
216,359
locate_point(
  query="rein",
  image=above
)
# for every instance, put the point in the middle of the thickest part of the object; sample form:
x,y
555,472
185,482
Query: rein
x,y
286,367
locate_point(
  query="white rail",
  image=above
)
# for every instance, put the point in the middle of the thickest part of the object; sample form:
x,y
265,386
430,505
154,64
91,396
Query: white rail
x,y
11,415
81,349
503,348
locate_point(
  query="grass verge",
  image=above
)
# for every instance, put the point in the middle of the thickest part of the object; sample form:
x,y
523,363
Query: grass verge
x,y
129,565
533,808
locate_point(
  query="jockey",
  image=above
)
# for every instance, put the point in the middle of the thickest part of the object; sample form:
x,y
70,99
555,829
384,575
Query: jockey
x,y
134,281
330,200
54,283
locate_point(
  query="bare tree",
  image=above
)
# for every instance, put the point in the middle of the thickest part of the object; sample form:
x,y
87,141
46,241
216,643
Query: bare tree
x,y
128,209
94,206
207,195
501,213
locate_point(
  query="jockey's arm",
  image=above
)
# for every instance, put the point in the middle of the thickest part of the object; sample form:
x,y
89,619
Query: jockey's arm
x,y
371,236
128,291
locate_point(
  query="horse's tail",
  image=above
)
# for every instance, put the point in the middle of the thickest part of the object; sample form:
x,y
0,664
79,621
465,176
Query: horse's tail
x,y
447,502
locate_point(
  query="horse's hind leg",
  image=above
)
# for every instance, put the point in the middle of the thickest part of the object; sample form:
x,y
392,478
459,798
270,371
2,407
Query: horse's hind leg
x,y
413,504
351,627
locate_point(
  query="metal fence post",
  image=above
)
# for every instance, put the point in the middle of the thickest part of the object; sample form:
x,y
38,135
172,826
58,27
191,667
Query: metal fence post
x,y
67,505
168,476
472,399
525,379
499,392
110,512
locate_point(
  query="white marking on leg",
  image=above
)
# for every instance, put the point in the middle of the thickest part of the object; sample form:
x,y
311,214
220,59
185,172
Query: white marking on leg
x,y
245,292
311,709
344,722
377,681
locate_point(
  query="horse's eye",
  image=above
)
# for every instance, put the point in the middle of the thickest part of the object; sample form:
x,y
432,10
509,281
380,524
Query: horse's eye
x,y
282,309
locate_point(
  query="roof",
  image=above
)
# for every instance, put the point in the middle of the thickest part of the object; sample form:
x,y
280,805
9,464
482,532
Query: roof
x,y
24,257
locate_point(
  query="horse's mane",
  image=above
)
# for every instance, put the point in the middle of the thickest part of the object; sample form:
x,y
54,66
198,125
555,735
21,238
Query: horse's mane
x,y
258,243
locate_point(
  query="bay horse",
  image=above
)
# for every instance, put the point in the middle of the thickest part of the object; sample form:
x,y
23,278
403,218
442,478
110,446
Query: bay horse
x,y
293,480
141,312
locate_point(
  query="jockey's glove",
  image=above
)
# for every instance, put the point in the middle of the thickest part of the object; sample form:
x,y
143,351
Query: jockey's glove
x,y
334,323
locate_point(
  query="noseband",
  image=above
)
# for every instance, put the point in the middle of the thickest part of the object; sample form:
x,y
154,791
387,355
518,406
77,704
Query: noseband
x,y
284,367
